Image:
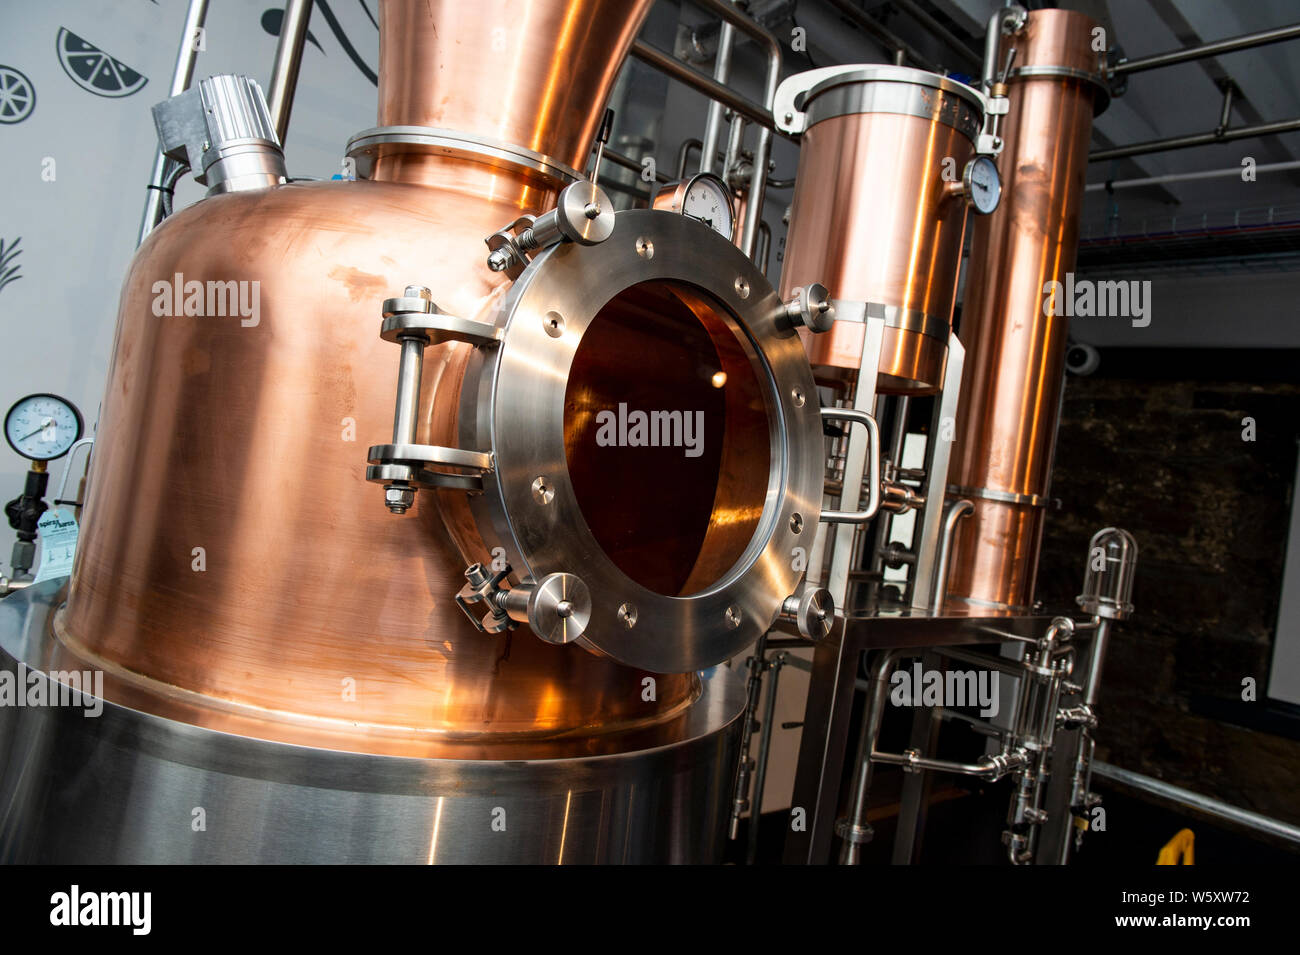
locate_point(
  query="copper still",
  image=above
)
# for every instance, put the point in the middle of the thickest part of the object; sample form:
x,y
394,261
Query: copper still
x,y
244,441
1015,351
238,580
877,214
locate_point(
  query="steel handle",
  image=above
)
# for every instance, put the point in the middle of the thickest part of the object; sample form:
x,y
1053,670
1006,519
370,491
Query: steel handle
x,y
854,416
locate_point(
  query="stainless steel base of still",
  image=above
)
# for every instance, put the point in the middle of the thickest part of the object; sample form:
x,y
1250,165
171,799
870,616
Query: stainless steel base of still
x,y
130,787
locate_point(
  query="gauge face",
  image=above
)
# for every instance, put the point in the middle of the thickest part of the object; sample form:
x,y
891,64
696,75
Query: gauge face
x,y
708,199
983,184
43,427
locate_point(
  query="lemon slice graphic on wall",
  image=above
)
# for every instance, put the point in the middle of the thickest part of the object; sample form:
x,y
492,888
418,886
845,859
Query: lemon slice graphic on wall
x,y
17,97
94,70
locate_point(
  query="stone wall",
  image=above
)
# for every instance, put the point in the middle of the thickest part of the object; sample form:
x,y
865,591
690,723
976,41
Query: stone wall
x,y
1153,443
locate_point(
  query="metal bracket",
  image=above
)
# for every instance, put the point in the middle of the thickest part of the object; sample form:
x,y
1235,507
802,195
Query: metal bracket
x,y
928,536
406,317
855,416
415,322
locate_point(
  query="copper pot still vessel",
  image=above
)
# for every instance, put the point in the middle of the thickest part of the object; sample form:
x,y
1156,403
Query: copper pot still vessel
x,y
1015,350
274,642
877,216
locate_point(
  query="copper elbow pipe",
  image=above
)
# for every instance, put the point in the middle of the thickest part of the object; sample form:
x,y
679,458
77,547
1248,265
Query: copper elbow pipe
x,y
1015,354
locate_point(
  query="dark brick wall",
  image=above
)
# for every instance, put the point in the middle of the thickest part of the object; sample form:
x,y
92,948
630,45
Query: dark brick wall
x,y
1165,459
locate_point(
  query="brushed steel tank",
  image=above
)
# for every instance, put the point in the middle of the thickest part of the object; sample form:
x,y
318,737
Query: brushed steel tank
x,y
1015,354
238,581
875,216
132,786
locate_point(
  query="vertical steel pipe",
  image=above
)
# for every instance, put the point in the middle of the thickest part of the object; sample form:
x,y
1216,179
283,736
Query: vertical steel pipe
x,y
763,149
764,747
181,76
288,59
721,73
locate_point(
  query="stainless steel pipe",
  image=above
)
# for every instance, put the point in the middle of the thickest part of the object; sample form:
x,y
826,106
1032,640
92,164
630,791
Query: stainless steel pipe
x,y
1196,139
671,66
181,77
721,73
1211,807
1246,41
288,60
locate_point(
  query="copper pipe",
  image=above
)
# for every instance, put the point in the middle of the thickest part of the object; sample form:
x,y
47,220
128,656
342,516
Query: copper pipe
x,y
1011,391
235,570
535,74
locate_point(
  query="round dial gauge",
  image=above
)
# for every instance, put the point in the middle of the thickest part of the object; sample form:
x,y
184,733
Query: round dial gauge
x,y
708,199
983,184
43,427
704,197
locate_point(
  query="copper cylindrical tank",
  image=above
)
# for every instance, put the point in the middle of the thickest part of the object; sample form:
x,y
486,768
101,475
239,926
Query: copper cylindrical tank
x,y
235,568
1011,388
875,218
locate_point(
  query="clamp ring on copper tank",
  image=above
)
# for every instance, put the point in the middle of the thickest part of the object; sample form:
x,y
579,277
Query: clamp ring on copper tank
x,y
1096,79
907,319
370,145
1002,497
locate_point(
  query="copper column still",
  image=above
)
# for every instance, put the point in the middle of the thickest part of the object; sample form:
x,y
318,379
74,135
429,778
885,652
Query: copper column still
x,y
235,569
1011,390
877,217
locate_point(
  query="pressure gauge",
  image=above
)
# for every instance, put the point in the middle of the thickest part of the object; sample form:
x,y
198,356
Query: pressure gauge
x,y
982,184
43,427
704,197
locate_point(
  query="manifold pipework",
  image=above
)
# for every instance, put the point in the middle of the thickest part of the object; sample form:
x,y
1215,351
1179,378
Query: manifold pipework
x,y
1043,675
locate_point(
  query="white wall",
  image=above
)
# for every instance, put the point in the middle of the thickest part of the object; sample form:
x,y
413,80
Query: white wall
x,y
79,229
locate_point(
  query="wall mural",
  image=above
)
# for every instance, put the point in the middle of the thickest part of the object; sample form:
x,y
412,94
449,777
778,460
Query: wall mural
x,y
17,96
274,17
8,268
94,70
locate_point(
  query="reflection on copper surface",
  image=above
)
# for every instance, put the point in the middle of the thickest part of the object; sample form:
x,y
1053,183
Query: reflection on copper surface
x,y
871,221
318,617
1015,355
533,74
672,522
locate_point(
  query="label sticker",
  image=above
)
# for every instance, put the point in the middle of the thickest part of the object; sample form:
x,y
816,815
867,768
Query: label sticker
x,y
57,531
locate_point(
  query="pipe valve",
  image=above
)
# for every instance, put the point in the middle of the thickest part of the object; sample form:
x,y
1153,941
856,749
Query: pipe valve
x,y
583,214
556,608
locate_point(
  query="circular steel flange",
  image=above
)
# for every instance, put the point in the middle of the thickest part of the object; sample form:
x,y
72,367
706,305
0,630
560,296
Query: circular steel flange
x,y
808,98
514,399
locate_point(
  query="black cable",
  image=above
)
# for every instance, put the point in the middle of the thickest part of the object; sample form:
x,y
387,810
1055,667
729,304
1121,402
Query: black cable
x,y
168,187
